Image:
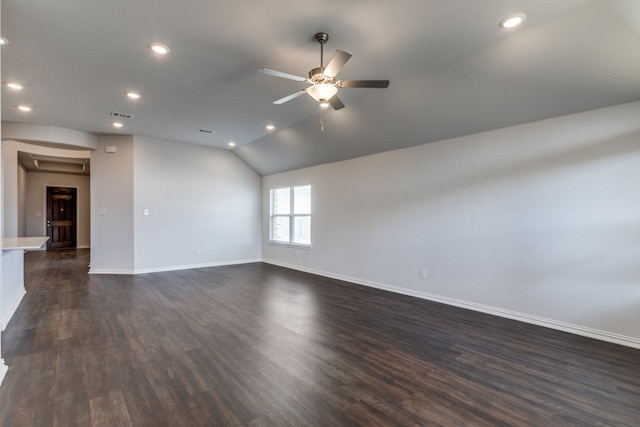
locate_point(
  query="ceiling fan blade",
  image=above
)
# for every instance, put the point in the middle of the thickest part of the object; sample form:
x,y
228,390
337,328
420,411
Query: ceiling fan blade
x,y
336,63
289,97
363,83
283,75
336,103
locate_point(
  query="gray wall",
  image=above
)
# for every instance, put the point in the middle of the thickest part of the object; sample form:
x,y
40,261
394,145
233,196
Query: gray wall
x,y
203,204
539,222
22,202
112,205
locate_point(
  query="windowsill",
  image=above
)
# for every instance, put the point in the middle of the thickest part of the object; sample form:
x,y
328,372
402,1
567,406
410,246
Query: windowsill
x,y
290,245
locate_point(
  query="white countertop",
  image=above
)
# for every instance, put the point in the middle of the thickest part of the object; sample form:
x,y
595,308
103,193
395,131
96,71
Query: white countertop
x,y
23,243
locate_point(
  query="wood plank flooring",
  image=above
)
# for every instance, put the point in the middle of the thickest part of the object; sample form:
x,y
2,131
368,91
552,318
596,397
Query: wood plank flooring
x,y
259,345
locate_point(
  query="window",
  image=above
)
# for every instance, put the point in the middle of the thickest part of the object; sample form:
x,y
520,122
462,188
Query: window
x,y
290,216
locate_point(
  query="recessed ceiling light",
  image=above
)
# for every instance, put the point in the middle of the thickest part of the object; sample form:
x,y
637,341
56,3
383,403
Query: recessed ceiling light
x,y
13,85
3,41
24,108
324,105
133,95
116,124
159,48
270,127
231,144
512,20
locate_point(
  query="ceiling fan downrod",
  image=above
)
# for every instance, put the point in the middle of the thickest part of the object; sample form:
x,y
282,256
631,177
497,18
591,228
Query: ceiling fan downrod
x,y
322,39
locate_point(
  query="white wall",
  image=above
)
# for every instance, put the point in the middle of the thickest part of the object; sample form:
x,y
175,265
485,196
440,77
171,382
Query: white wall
x,y
203,203
539,222
112,205
36,203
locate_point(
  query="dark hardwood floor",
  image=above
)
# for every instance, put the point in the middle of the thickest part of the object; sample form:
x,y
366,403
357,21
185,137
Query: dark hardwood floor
x,y
260,345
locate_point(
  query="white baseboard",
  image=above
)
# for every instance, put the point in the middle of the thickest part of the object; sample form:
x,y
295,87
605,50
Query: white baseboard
x,y
190,266
173,267
496,311
7,315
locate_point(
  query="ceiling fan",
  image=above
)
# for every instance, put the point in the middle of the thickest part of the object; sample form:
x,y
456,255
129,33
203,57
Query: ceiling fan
x,y
324,86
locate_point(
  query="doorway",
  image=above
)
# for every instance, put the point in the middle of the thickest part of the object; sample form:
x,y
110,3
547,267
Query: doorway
x,y
61,217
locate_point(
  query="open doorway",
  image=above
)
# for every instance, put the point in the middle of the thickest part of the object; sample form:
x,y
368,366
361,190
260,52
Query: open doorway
x,y
51,196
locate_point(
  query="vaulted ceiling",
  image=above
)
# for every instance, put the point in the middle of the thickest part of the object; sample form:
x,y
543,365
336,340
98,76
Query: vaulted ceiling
x,y
453,71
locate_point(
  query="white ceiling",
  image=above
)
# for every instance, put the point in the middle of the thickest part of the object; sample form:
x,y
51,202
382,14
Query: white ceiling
x,y
452,70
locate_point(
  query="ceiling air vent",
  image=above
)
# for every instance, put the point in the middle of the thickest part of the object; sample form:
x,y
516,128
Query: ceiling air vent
x,y
206,131
121,115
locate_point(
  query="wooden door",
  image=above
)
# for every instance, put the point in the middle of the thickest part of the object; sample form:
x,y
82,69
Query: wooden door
x,y
61,217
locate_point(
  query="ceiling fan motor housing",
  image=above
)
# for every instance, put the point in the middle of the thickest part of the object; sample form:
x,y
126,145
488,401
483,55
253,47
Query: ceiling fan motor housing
x,y
317,76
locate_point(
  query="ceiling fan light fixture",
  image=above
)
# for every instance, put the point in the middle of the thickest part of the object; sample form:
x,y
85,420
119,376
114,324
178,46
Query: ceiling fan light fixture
x,y
322,92
324,86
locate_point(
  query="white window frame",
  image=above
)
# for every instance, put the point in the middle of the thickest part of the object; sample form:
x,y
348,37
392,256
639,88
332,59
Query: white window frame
x,y
291,215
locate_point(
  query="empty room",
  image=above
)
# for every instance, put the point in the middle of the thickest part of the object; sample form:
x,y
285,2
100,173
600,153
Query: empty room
x,y
340,213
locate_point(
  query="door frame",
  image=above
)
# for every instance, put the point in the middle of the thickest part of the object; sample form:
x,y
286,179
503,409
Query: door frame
x,y
44,211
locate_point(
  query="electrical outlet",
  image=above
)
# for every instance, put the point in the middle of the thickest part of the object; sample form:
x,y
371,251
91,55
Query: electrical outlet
x,y
423,274
197,251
